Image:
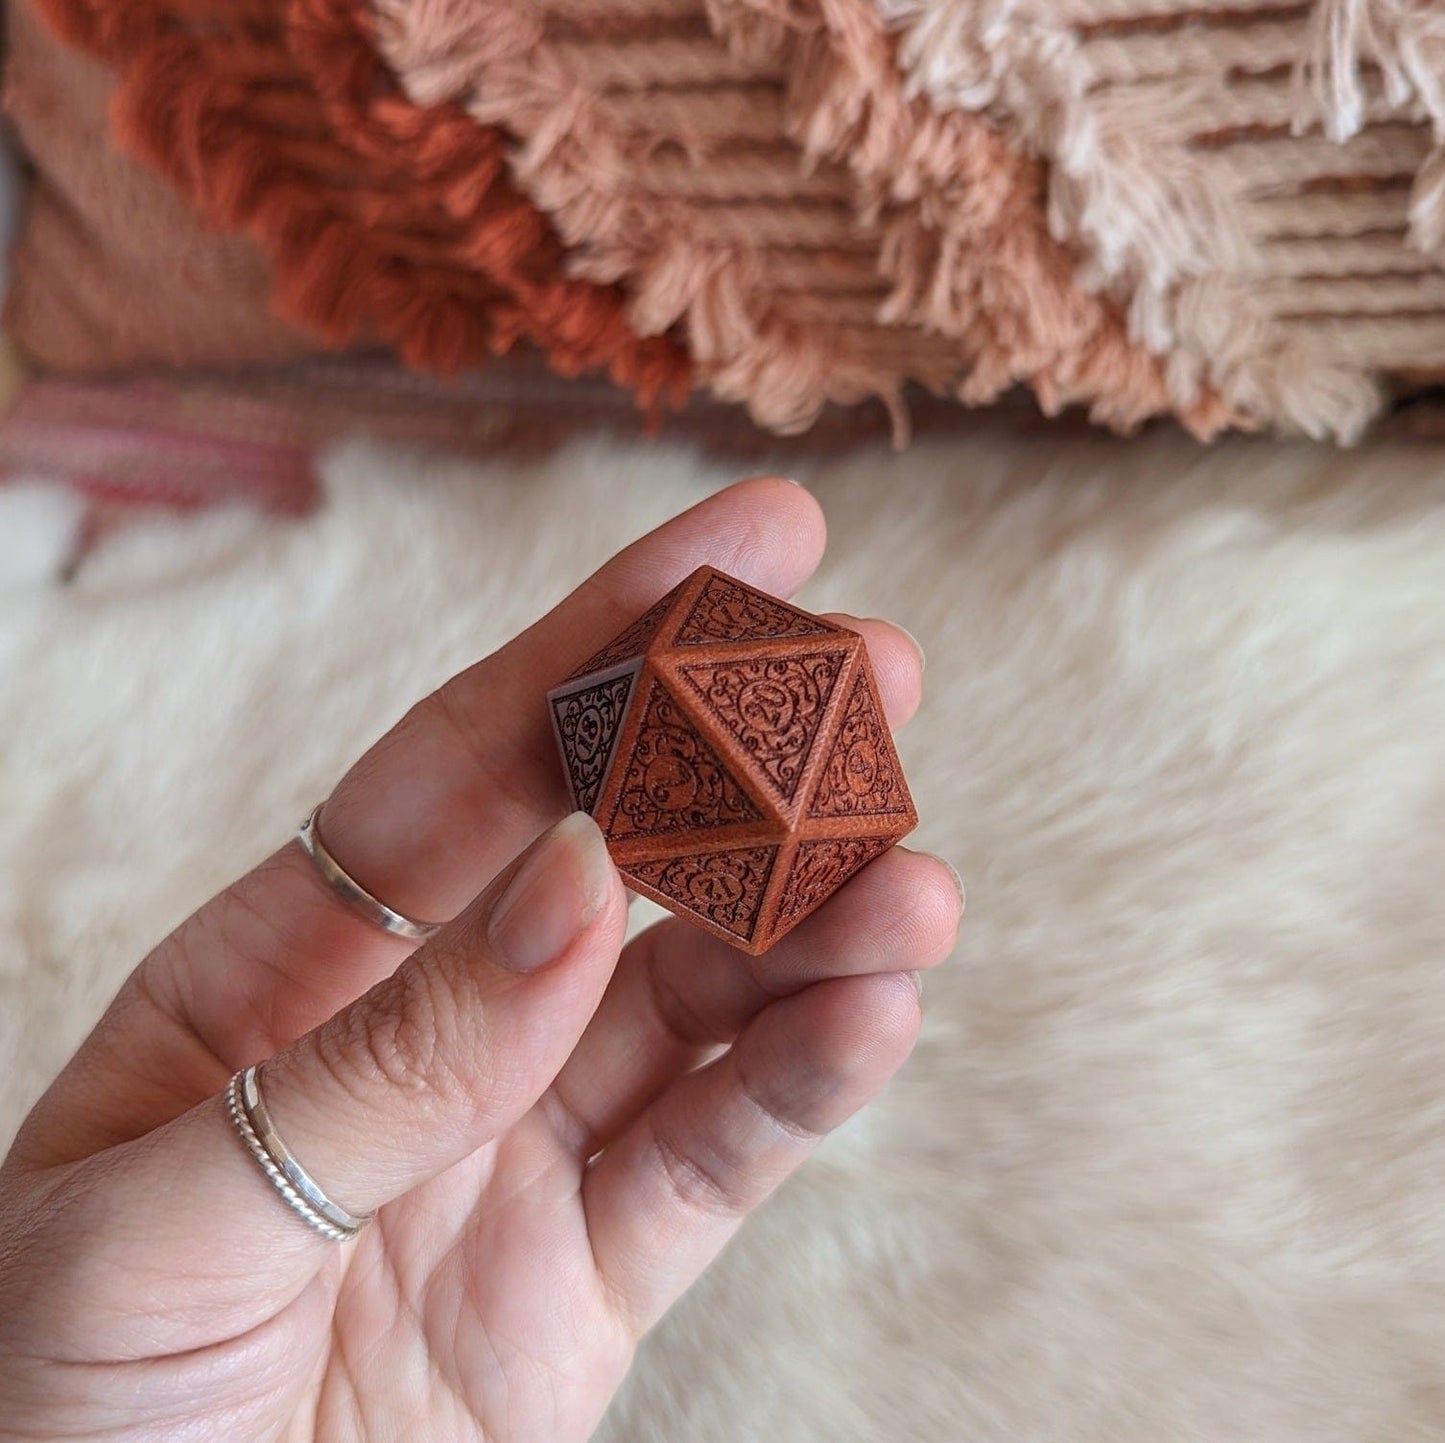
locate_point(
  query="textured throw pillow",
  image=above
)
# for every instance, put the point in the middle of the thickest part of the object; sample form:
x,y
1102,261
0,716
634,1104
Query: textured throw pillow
x,y
1231,213
112,269
366,219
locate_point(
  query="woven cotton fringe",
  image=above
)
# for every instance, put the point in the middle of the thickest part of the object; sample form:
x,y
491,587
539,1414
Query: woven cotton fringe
x,y
1223,190
753,172
1228,210
380,221
1235,173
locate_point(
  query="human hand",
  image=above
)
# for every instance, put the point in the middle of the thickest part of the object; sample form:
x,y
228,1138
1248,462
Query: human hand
x,y
520,1099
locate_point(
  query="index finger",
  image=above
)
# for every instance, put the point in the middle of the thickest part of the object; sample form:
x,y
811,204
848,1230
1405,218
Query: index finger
x,y
427,816
423,820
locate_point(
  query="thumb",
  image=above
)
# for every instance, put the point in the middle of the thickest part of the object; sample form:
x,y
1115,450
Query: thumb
x,y
460,1041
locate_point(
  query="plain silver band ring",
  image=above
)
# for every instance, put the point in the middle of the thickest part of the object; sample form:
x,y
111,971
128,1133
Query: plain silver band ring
x,y
353,893
298,1189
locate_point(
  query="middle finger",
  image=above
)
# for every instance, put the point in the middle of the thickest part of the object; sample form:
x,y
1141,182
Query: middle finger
x,y
678,992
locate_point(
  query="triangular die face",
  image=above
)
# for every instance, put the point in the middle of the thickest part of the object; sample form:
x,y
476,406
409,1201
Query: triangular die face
x,y
673,780
588,723
819,869
773,706
632,642
862,776
724,888
726,610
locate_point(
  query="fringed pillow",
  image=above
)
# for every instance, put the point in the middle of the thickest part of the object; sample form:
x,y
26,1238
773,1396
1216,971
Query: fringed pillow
x,y
1227,212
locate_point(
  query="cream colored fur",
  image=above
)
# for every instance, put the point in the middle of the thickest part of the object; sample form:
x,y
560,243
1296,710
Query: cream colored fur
x,y
1169,1164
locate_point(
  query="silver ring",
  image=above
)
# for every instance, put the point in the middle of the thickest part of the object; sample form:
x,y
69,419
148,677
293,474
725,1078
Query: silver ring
x,y
297,1187
353,893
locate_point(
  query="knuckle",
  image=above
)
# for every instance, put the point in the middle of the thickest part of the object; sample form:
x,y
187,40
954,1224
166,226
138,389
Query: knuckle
x,y
403,1036
786,1115
701,1183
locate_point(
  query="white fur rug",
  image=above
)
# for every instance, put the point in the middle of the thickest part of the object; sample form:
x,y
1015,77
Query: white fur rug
x,y
1170,1162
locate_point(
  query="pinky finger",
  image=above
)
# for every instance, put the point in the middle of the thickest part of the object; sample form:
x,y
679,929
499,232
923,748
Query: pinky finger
x,y
665,1197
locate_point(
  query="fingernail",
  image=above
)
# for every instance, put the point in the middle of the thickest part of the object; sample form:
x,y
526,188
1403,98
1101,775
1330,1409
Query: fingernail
x,y
957,880
917,979
917,646
847,618
560,887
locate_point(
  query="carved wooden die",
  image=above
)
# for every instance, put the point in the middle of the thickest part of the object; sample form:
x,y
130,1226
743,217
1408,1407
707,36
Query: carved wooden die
x,y
734,752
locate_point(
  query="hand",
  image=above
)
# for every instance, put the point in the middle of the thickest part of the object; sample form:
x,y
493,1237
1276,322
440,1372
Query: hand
x,y
521,1098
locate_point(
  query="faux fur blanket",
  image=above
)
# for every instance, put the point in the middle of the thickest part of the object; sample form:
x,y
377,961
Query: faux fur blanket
x,y
1167,1164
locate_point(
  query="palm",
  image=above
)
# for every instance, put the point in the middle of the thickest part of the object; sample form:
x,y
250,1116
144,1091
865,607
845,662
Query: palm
x,y
457,1289
553,1155
472,1310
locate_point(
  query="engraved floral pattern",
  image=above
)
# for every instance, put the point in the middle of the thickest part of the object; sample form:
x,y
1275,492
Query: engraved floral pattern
x,y
862,774
773,706
674,778
588,722
717,734
725,887
729,611
819,869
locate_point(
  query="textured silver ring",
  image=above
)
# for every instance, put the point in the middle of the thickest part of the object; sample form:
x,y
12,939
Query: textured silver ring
x,y
353,893
298,1189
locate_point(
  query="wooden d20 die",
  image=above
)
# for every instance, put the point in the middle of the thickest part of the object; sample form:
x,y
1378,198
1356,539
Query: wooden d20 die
x,y
734,752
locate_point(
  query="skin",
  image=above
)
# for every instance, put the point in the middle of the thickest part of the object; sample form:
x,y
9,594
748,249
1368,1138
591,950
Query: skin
x,y
542,1116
